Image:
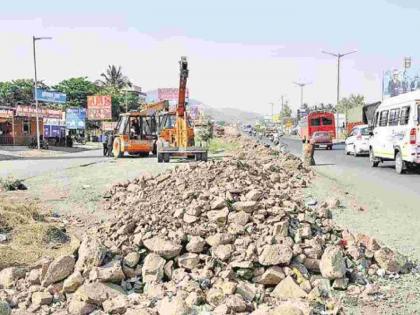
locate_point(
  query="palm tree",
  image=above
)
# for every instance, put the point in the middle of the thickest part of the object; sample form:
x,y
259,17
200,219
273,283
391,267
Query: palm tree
x,y
114,78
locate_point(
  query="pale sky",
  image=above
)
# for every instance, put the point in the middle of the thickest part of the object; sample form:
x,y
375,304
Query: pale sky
x,y
242,54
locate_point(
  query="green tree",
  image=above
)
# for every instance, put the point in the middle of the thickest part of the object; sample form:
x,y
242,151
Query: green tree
x,y
18,91
120,99
113,77
77,90
352,101
286,111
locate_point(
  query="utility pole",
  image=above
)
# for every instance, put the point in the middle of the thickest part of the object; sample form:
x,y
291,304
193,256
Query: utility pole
x,y
338,56
281,113
34,39
301,85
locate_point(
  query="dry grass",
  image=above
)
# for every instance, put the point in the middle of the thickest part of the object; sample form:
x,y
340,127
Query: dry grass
x,y
30,236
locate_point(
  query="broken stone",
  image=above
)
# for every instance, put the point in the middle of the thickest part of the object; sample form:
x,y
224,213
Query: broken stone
x,y
91,254
188,261
218,216
196,244
332,263
8,276
58,270
247,206
162,247
116,305
111,272
5,308
275,255
235,303
96,293
288,289
240,218
218,203
73,282
390,261
41,298
132,259
152,270
340,284
247,290
271,276
253,195
223,252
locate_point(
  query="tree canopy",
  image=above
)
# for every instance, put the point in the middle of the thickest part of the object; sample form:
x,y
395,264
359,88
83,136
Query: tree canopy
x,y
286,110
77,90
352,101
18,91
113,77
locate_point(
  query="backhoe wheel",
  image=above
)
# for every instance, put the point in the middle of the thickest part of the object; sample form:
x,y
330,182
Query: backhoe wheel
x,y
116,149
160,157
399,163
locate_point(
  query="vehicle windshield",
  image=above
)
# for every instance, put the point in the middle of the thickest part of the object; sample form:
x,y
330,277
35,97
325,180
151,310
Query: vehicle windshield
x,y
364,131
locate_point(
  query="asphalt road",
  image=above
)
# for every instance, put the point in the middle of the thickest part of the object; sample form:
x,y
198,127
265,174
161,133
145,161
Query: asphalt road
x,y
383,175
24,168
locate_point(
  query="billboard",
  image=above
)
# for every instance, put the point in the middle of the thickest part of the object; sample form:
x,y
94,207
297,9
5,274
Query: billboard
x,y
109,125
99,107
50,96
396,82
30,111
5,113
76,118
164,94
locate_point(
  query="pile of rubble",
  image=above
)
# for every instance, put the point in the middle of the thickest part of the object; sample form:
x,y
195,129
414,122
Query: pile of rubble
x,y
224,237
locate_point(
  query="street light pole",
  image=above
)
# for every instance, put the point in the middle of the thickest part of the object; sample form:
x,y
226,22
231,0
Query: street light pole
x,y
34,39
338,56
301,85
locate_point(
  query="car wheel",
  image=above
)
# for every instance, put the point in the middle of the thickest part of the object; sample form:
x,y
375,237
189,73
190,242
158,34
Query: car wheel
x,y
399,163
373,161
355,151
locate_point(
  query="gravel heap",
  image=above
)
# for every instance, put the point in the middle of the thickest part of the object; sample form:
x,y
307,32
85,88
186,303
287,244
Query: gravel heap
x,y
224,237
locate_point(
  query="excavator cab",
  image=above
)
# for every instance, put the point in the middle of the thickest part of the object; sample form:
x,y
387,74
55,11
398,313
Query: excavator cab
x,y
136,132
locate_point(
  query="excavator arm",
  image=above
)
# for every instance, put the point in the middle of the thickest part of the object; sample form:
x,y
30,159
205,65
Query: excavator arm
x,y
183,75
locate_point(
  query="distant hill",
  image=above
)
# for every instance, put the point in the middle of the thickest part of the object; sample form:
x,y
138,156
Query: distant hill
x,y
229,115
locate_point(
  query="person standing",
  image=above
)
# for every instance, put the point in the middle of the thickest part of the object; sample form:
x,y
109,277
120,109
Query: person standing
x,y
110,144
105,143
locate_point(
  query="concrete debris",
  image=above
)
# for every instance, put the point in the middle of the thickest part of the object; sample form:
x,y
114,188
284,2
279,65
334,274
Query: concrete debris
x,y
222,237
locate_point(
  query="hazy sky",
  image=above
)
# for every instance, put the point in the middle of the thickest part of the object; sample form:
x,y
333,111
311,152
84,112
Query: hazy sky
x,y
242,53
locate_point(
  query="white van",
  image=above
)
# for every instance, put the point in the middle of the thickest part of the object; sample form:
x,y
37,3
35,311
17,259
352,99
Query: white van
x,y
396,132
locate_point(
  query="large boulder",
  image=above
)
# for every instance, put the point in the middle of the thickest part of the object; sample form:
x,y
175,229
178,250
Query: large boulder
x,y
111,272
58,270
391,261
96,292
153,268
288,289
332,264
162,247
275,254
91,254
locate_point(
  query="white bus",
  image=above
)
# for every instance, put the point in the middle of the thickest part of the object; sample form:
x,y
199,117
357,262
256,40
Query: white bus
x,y
395,135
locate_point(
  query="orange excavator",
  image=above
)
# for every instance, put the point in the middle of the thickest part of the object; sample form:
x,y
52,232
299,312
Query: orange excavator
x,y
176,135
136,131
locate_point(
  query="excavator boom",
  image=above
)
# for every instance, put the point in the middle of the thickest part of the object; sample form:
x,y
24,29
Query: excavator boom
x,y
183,75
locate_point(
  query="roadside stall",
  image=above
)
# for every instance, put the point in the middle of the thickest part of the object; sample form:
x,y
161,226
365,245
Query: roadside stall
x,y
6,126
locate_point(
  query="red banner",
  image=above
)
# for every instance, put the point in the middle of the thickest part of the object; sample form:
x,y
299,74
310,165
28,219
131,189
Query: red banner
x,y
99,107
170,94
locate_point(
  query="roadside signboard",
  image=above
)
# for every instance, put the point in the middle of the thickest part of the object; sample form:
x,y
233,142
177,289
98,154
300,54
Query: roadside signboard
x,y
99,107
5,113
50,96
76,118
109,125
29,111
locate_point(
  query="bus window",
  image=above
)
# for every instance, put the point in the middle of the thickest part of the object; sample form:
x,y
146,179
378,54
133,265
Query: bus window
x,y
383,120
315,122
326,121
405,114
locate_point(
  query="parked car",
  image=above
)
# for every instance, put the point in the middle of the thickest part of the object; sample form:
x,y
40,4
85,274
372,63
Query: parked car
x,y
322,138
357,142
395,135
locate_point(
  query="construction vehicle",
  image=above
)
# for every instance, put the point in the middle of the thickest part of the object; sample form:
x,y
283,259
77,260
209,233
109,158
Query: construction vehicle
x,y
176,135
136,131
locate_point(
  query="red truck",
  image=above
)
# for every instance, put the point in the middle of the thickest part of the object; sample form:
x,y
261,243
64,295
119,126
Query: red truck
x,y
317,121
